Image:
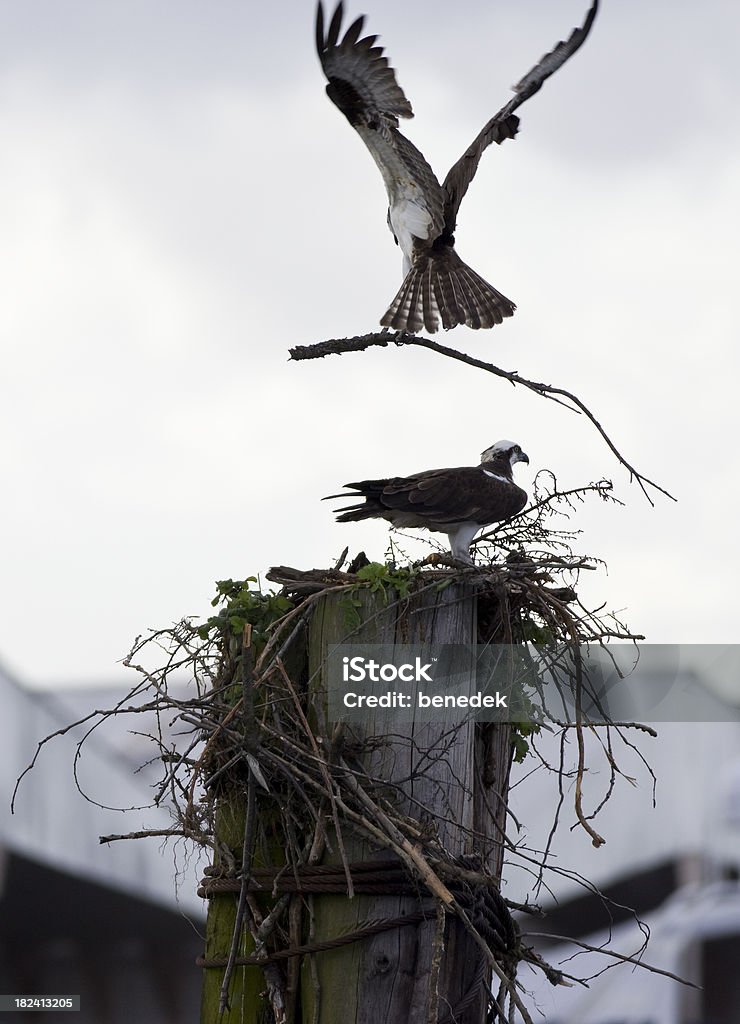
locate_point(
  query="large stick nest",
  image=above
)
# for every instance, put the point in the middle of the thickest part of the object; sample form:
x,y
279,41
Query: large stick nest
x,y
228,698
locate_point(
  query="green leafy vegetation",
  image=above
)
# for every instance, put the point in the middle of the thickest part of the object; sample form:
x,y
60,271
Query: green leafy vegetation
x,y
379,578
520,731
382,578
244,603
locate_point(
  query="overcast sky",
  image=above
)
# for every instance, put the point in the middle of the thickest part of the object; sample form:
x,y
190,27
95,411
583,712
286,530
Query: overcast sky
x,y
180,203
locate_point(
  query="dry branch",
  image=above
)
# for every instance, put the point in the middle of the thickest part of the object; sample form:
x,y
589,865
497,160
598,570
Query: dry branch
x,y
339,346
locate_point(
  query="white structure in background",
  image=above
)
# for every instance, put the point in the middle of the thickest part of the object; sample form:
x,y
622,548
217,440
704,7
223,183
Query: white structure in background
x,y
695,934
103,921
677,864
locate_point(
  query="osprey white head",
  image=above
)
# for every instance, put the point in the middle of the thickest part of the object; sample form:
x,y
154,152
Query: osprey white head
x,y
507,449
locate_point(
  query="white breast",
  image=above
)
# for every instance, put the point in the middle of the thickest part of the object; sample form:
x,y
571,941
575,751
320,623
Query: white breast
x,y
409,220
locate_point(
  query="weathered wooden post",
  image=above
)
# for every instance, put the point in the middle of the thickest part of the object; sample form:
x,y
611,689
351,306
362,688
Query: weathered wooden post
x,y
414,815
438,773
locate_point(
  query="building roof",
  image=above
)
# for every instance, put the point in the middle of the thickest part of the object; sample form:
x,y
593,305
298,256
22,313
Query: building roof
x,y
696,791
56,825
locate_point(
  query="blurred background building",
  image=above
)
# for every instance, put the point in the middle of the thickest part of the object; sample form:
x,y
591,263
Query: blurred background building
x,y
118,924
668,871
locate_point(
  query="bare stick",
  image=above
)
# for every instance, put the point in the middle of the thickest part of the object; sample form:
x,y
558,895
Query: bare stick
x,y
610,952
338,346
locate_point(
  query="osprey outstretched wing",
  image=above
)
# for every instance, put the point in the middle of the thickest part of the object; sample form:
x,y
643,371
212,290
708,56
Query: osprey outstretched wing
x,y
438,286
458,502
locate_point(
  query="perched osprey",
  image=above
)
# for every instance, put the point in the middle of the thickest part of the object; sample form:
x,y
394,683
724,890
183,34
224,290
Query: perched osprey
x,y
422,213
457,502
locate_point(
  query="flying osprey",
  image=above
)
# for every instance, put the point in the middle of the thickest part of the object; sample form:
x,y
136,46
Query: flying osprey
x,y
457,502
422,213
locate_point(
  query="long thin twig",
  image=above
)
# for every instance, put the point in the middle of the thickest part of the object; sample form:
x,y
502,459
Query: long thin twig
x,y
338,346
610,952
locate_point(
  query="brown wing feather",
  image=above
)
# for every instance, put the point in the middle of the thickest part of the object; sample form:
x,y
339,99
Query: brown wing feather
x,y
357,70
364,87
447,496
504,124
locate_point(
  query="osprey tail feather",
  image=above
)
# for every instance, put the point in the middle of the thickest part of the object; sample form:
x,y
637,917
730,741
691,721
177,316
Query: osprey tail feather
x,y
370,492
440,287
